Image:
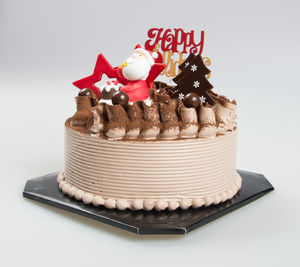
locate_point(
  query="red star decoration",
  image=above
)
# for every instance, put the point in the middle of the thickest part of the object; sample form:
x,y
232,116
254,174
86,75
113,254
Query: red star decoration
x,y
103,67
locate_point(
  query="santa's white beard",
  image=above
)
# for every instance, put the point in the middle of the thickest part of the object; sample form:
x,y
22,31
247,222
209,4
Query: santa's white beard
x,y
136,70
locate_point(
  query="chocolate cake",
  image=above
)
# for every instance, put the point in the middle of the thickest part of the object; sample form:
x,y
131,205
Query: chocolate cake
x,y
171,150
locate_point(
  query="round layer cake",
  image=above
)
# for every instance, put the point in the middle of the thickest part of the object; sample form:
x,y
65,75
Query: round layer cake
x,y
160,174
160,153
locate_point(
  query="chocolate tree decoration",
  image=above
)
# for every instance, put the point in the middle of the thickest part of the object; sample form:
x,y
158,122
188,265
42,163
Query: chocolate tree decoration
x,y
192,79
187,61
184,65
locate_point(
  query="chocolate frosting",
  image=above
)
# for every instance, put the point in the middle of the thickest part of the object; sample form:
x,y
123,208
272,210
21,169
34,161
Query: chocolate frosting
x,y
108,94
84,111
135,115
117,121
93,97
170,125
189,121
151,123
165,118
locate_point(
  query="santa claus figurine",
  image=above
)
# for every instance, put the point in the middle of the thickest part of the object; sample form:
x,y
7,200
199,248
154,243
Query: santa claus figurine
x,y
136,70
134,76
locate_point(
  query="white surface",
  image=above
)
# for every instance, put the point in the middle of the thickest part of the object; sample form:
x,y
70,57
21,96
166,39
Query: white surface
x,y
46,45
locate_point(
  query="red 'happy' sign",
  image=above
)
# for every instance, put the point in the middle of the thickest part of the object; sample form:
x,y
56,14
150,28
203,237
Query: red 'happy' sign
x,y
169,40
173,44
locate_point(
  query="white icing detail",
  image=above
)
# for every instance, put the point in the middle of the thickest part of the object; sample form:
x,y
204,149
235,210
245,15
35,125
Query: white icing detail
x,y
196,84
107,101
111,85
148,102
202,99
193,68
181,96
186,64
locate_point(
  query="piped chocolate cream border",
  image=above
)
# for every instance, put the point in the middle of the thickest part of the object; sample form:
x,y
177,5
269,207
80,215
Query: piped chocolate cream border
x,y
163,119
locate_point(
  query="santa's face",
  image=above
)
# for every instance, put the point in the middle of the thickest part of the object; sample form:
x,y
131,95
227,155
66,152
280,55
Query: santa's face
x,y
136,67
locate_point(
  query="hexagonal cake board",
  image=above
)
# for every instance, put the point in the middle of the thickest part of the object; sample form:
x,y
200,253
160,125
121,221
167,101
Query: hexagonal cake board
x,y
44,189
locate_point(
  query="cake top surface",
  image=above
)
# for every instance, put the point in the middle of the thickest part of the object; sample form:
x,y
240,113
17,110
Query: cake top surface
x,y
132,106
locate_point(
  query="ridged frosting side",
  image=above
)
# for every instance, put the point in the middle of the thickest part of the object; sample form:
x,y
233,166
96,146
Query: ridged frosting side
x,y
147,175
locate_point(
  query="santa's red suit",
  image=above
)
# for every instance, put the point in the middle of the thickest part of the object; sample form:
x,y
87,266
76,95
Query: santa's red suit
x,y
136,90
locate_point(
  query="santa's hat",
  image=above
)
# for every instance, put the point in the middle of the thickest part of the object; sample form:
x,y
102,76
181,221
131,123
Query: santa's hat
x,y
151,56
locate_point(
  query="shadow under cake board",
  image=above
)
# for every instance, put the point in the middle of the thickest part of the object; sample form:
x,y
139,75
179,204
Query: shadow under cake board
x,y
44,189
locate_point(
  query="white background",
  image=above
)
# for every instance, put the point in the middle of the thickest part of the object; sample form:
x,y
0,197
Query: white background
x,y
46,45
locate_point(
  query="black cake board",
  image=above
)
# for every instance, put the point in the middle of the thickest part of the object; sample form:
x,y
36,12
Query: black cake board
x,y
44,189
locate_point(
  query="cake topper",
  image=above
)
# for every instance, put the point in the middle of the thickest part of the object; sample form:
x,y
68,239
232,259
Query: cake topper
x,y
174,44
173,41
193,79
134,76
